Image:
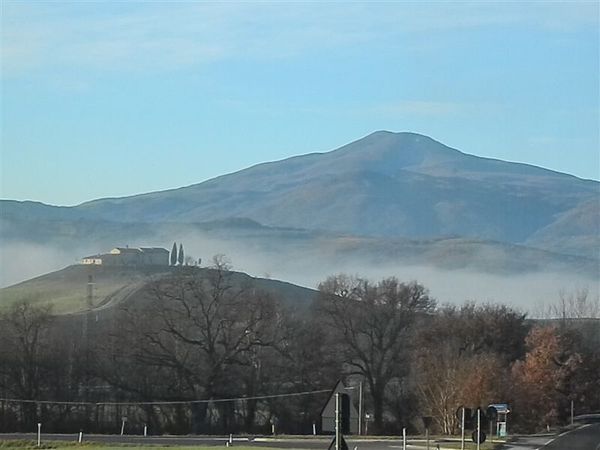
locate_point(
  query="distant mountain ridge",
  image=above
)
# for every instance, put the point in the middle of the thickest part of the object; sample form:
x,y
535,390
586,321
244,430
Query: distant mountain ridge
x,y
396,185
386,184
389,203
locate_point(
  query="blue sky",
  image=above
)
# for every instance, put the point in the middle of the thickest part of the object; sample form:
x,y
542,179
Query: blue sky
x,y
104,99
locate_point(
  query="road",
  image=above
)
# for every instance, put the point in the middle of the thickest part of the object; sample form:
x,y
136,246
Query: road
x,y
586,437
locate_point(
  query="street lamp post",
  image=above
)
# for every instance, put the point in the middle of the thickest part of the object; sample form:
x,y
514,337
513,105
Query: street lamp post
x,y
360,403
360,413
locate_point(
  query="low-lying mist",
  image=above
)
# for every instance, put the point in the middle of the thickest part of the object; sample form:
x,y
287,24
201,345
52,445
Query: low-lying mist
x,y
307,263
20,261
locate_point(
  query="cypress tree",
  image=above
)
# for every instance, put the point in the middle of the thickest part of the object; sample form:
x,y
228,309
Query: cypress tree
x,y
180,257
174,254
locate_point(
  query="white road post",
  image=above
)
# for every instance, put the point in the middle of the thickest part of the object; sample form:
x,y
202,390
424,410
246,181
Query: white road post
x,y
80,437
403,438
39,434
462,434
338,434
478,427
145,430
572,412
360,405
314,429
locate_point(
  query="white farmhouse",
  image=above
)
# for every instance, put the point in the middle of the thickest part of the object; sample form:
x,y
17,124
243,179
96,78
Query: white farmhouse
x,y
126,256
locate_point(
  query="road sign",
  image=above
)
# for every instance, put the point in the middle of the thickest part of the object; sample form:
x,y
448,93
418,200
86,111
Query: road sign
x,y
482,437
470,416
491,412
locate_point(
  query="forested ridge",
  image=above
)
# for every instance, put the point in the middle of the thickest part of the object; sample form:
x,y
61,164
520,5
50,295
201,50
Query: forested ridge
x,y
199,353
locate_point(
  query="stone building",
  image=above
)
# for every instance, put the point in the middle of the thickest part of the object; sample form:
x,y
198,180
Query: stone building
x,y
126,256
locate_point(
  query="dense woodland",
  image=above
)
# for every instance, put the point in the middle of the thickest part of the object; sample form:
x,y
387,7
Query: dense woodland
x,y
200,353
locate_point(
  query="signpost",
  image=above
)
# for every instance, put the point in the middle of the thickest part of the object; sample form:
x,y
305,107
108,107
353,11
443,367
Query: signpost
x,y
461,412
427,423
338,441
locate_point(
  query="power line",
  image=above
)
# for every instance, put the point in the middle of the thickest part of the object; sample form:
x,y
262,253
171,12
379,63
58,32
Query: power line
x,y
165,403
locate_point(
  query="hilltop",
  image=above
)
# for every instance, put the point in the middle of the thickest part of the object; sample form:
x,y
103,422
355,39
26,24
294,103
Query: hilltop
x,y
67,289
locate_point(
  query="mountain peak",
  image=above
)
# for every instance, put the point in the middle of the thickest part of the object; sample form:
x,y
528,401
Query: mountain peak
x,y
385,151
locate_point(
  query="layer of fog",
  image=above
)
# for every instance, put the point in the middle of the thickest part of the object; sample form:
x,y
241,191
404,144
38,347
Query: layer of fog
x,y
307,266
20,261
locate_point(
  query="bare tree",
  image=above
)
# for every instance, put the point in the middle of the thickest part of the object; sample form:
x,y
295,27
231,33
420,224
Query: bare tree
x,y
571,305
461,353
446,381
370,325
25,359
207,327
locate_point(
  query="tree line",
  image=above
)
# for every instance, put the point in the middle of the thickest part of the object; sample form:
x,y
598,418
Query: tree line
x,y
203,334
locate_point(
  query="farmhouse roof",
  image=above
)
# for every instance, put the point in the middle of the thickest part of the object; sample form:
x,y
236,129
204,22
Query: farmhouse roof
x,y
154,250
127,250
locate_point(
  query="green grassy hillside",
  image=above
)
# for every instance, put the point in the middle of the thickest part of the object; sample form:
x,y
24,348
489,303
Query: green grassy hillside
x,y
66,289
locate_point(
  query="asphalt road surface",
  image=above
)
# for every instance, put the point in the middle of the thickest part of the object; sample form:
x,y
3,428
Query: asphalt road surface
x,y
585,437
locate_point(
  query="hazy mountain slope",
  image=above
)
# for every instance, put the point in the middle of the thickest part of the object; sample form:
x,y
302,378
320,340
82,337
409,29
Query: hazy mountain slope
x,y
574,231
28,210
386,184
